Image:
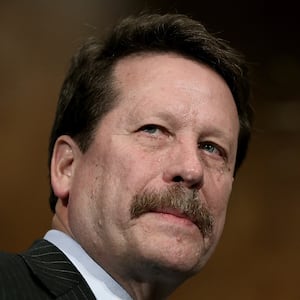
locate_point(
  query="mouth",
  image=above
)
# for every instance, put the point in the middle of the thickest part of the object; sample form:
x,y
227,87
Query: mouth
x,y
175,213
175,205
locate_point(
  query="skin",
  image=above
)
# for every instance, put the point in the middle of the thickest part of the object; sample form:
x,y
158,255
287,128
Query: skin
x,y
176,121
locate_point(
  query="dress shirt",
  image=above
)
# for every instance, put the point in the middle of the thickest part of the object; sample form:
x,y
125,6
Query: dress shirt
x,y
101,283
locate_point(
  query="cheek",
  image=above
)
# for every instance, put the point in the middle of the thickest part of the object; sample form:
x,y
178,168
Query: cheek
x,y
220,191
218,203
136,169
82,196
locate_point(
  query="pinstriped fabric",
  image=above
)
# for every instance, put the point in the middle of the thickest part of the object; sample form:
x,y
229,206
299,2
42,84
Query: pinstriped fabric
x,y
42,272
51,267
15,280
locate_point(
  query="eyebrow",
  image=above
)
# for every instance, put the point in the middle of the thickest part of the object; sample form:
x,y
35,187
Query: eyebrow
x,y
172,118
164,115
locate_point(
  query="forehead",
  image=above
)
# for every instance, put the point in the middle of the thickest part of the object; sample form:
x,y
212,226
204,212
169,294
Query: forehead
x,y
151,65
168,82
162,70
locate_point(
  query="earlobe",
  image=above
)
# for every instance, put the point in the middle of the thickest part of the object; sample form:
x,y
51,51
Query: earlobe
x,y
62,166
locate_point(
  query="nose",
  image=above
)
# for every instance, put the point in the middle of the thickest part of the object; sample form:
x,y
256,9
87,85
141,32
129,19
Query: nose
x,y
184,165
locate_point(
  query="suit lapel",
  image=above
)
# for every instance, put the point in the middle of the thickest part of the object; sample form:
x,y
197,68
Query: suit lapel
x,y
56,272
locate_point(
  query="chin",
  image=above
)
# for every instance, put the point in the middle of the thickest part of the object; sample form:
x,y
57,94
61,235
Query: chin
x,y
182,259
186,264
178,250
170,271
191,255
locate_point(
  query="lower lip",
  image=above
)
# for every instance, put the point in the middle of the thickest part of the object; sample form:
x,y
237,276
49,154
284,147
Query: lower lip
x,y
173,218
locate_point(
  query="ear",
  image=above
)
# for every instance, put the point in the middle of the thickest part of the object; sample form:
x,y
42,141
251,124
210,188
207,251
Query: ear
x,y
63,160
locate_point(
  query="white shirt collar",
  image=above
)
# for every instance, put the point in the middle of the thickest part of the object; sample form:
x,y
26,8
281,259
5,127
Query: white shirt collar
x,y
101,283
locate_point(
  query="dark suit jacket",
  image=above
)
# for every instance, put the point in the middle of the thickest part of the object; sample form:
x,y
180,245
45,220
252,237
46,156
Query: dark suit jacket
x,y
42,272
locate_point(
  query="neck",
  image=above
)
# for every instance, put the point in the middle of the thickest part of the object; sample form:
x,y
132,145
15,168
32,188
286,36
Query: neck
x,y
146,281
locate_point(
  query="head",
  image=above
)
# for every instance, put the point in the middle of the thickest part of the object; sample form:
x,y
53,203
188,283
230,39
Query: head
x,y
87,93
172,173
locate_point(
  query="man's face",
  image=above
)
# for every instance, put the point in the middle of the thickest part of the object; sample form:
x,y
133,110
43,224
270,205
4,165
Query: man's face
x,y
173,133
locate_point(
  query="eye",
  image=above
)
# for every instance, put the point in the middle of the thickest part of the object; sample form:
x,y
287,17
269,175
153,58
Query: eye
x,y
151,129
211,148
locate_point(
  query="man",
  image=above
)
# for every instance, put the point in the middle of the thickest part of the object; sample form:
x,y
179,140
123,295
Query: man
x,y
150,129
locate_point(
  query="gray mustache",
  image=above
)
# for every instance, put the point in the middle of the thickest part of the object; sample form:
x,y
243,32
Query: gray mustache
x,y
176,197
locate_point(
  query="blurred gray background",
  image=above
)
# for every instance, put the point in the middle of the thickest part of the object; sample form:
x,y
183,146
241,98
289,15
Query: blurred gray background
x,y
258,256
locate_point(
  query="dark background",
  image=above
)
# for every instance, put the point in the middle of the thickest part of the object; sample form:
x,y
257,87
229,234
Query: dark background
x,y
258,256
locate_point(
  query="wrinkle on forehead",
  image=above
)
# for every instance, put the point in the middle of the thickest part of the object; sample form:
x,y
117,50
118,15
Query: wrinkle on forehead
x,y
171,87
